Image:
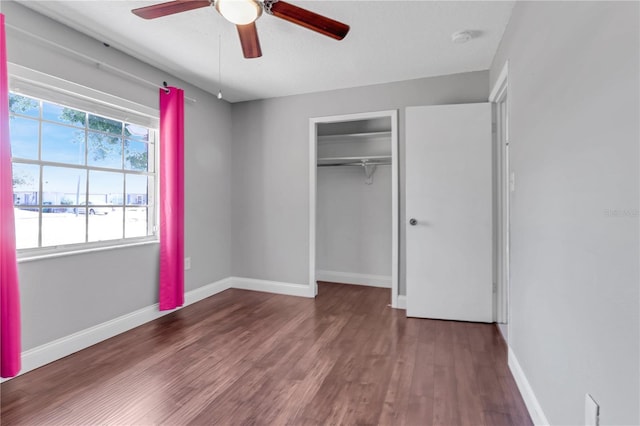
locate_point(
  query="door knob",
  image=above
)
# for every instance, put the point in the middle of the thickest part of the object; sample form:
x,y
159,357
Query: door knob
x,y
413,222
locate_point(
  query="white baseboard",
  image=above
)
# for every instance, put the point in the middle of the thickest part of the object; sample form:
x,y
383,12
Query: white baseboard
x,y
530,400
205,291
52,351
504,331
300,290
351,278
402,302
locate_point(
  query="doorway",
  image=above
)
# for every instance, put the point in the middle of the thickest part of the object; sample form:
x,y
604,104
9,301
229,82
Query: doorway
x,y
362,148
504,182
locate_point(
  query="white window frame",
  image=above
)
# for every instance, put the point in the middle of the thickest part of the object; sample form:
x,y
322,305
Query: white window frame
x,y
32,83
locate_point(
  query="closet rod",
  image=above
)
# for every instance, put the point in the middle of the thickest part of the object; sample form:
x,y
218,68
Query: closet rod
x,y
361,164
99,64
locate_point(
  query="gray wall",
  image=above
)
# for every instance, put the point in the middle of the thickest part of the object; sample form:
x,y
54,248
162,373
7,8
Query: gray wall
x,y
354,221
573,88
270,166
67,294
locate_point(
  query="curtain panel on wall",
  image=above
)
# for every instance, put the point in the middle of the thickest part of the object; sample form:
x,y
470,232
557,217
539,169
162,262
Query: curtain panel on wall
x,y
9,292
171,292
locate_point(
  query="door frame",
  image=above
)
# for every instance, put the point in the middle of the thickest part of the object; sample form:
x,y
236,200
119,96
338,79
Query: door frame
x,y
500,100
395,204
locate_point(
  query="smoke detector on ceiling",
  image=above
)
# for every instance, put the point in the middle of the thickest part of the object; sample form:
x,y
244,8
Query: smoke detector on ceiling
x,y
461,37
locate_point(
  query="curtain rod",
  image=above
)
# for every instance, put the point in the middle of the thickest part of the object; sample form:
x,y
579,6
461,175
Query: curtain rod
x,y
98,63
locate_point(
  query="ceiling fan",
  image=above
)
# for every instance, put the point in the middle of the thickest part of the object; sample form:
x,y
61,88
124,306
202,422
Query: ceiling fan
x,y
243,13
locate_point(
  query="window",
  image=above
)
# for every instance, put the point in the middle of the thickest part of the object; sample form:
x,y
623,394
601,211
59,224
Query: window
x,y
80,177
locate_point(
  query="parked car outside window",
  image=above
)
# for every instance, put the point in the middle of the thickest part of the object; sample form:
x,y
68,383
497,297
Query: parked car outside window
x,y
94,210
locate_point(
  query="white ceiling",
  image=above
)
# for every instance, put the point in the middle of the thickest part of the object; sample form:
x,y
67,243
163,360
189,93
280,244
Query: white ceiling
x,y
389,41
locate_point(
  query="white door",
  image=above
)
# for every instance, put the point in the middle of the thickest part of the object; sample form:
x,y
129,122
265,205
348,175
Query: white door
x,y
449,212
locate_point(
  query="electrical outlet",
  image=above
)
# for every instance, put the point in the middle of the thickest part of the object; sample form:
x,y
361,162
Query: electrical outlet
x,y
591,411
187,263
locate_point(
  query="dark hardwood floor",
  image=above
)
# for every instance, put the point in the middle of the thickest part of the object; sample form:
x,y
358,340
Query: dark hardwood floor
x,y
244,357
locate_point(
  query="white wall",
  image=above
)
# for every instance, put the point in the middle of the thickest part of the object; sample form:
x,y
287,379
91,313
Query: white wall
x,y
63,295
353,222
574,92
270,166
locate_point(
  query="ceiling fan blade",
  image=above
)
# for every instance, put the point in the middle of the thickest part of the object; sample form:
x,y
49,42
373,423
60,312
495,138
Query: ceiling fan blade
x,y
310,20
249,40
169,8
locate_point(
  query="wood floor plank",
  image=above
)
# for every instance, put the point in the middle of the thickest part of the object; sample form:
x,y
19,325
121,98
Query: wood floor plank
x,y
468,386
244,357
421,394
403,357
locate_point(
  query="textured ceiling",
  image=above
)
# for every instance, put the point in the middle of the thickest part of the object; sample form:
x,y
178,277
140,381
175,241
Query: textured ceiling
x,y
389,41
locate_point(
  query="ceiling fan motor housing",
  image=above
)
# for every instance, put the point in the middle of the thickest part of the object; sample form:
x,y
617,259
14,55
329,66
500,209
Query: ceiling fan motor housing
x,y
266,5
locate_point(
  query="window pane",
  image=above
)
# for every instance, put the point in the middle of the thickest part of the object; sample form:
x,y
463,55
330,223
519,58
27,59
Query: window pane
x,y
105,187
137,190
104,151
133,131
136,155
135,222
23,105
105,224
61,185
62,114
26,228
63,228
62,144
24,134
105,125
26,184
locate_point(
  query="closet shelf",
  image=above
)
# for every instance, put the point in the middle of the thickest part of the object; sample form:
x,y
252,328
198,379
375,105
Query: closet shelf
x,y
343,136
372,160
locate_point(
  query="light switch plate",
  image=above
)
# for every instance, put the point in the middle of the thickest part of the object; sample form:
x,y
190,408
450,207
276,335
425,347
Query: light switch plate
x,y
187,263
591,411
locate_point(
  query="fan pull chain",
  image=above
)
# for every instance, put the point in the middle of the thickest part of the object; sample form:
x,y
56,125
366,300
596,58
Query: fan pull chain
x,y
220,66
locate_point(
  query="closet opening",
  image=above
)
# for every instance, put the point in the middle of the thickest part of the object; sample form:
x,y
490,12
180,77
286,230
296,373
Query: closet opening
x,y
354,208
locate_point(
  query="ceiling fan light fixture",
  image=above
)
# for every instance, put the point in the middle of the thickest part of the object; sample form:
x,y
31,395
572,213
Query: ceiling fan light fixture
x,y
239,12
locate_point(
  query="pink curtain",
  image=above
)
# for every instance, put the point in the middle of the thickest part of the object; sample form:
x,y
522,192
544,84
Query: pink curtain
x,y
9,295
171,198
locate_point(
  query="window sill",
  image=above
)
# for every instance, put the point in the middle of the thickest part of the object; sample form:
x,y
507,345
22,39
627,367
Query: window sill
x,y
34,257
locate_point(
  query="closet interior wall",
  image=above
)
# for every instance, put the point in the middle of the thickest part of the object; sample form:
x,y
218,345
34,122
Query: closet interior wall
x,y
354,209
